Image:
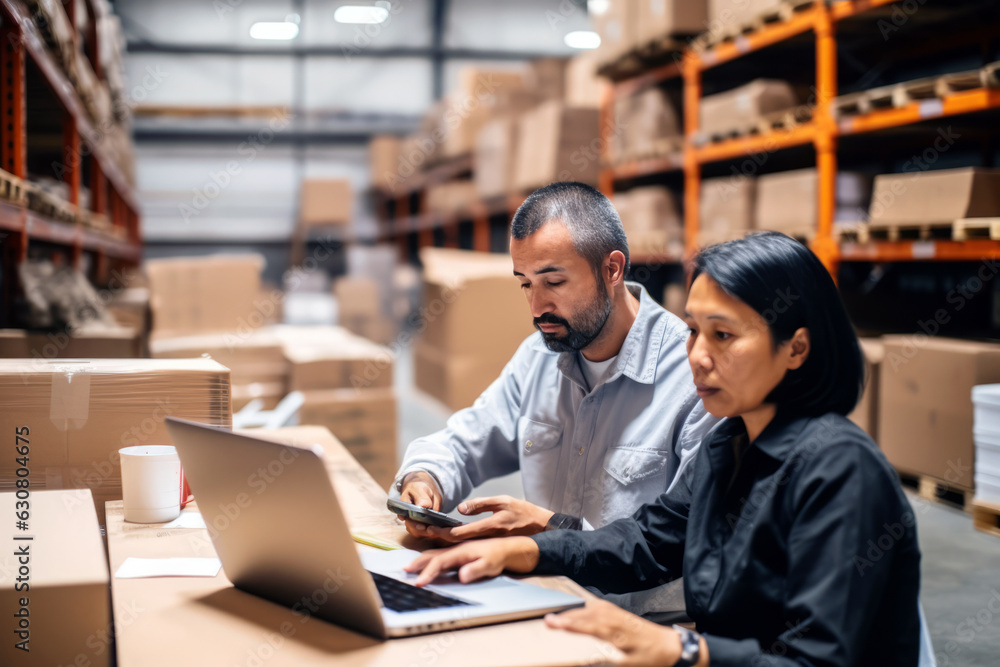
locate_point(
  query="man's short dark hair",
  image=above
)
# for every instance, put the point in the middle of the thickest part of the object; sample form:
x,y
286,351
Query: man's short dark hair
x,y
590,217
787,285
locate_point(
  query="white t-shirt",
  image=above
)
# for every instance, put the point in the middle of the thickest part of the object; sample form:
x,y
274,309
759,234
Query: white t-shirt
x,y
594,370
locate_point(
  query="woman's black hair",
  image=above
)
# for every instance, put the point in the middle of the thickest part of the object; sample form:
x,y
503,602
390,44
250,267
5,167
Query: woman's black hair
x,y
784,281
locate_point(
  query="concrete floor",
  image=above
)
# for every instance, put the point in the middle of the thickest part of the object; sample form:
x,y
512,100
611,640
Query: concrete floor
x,y
960,570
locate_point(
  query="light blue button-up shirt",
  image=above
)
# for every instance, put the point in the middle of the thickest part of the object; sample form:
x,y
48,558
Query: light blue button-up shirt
x,y
598,453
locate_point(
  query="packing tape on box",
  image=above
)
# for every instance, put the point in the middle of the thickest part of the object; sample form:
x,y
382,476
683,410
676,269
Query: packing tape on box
x,y
69,403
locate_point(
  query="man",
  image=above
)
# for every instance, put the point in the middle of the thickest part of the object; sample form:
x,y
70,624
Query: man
x,y
598,409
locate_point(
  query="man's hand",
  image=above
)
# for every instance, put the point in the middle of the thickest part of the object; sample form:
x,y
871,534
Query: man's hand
x,y
510,517
420,489
477,560
643,643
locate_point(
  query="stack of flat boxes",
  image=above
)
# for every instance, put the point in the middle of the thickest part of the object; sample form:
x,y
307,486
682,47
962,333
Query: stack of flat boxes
x,y
77,413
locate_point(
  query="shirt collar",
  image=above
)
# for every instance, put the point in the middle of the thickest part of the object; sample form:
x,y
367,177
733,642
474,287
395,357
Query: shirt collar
x,y
776,440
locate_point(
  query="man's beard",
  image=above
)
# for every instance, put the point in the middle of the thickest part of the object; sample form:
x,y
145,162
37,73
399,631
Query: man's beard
x,y
589,325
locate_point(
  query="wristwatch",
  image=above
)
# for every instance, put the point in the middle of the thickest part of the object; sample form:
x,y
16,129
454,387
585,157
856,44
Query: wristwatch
x,y
690,647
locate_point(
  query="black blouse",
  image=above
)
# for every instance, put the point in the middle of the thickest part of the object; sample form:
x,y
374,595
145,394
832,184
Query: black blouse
x,y
799,549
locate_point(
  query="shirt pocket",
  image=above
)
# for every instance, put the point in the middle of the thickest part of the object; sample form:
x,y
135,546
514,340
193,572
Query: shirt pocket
x,y
533,437
538,447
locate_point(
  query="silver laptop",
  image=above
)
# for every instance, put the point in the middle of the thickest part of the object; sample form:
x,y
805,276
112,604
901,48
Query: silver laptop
x,y
280,533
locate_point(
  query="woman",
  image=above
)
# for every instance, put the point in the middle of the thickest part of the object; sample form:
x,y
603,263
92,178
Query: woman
x,y
799,547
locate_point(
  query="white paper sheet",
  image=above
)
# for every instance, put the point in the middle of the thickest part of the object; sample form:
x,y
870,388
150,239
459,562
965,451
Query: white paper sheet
x,y
138,568
187,520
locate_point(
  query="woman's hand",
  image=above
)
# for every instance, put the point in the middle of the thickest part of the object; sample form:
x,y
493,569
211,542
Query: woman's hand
x,y
477,560
644,644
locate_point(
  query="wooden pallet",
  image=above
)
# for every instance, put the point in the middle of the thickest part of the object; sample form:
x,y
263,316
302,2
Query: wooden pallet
x,y
970,229
654,149
986,517
656,52
12,188
914,232
899,95
855,233
934,490
787,119
51,206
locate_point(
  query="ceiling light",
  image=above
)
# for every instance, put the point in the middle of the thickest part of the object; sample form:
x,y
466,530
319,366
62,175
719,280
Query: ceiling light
x,y
362,13
582,39
598,7
284,30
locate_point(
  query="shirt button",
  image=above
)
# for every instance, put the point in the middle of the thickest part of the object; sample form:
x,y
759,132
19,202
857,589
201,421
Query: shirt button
x,y
528,444
581,451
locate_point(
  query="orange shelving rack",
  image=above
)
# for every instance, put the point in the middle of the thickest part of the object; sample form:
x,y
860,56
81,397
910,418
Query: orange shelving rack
x,y
112,194
822,132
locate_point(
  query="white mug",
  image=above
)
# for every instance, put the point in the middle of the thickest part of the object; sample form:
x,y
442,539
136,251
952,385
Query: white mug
x,y
152,483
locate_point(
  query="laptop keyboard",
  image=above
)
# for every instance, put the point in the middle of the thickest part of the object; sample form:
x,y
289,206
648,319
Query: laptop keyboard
x,y
399,596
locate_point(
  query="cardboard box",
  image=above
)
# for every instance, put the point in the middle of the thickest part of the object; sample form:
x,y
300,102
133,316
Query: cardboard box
x,y
646,124
726,209
556,143
474,319
743,107
618,27
130,308
251,357
925,407
450,198
865,414
651,220
67,602
472,304
80,412
659,18
456,380
206,294
788,201
332,358
269,393
383,154
357,296
325,202
474,103
376,328
116,343
940,196
547,76
729,13
364,421
494,157
583,87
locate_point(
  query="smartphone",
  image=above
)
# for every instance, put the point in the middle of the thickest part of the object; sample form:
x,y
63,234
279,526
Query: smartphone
x,y
422,514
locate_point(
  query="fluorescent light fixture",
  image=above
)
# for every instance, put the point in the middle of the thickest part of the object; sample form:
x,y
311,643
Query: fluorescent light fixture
x,y
598,7
582,39
362,13
280,30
